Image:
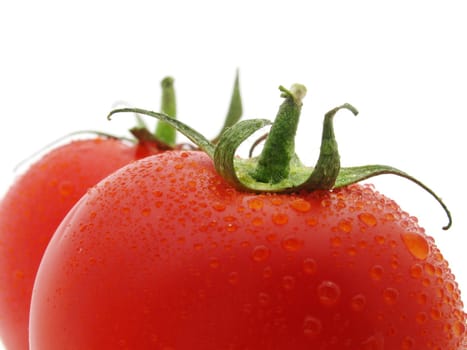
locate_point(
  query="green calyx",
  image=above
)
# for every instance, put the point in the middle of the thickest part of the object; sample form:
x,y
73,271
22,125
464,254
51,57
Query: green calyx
x,y
278,169
165,134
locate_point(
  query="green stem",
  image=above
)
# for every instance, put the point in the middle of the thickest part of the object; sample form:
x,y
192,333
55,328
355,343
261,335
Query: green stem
x,y
274,162
165,133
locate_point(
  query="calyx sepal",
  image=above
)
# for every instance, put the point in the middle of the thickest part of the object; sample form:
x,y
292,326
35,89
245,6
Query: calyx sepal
x,y
278,169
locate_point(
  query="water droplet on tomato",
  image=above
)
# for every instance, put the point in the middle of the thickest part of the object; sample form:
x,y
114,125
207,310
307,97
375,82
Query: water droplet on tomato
x,y
429,269
66,188
368,219
260,253
416,271
288,282
197,246
335,241
407,343
341,204
271,237
264,299
352,251
395,263
449,286
126,210
300,205
230,218
214,262
435,314
280,218
345,226
158,193
312,326
328,293
257,221
421,298
375,342
421,317
362,244
244,244
380,239
230,227
358,303
217,206
376,272
416,244
390,296
309,266
291,243
312,222
458,328
255,203
275,200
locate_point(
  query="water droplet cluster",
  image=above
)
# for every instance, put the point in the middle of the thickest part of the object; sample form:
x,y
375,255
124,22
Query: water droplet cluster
x,y
343,269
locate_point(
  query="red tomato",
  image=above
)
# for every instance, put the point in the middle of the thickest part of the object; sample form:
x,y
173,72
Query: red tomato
x,y
163,254
32,210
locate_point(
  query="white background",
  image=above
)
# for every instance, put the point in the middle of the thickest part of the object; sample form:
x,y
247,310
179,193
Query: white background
x,y
401,63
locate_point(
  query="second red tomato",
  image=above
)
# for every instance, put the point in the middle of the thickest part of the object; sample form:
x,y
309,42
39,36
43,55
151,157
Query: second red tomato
x,y
33,208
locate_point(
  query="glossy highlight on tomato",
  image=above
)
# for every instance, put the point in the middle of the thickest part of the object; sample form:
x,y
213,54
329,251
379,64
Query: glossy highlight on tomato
x,y
33,208
164,254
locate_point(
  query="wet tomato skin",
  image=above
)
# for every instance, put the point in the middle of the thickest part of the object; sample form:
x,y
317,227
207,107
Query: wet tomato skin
x,y
163,254
33,208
